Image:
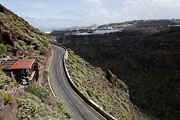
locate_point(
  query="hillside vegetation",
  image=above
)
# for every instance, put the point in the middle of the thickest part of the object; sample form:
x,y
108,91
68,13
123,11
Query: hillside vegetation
x,y
38,104
21,39
5,81
18,39
94,83
146,59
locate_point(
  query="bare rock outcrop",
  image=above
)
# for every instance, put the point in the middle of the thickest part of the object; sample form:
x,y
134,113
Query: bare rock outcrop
x,y
116,82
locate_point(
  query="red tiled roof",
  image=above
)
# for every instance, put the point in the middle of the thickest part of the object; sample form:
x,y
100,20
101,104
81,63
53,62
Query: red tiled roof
x,y
6,64
23,64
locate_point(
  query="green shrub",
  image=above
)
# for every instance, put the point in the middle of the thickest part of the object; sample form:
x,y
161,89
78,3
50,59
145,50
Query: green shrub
x,y
39,65
105,107
16,45
77,83
24,47
70,70
36,42
21,43
79,68
45,74
7,96
45,43
16,29
37,91
69,50
27,107
4,80
28,104
3,49
43,49
29,48
90,93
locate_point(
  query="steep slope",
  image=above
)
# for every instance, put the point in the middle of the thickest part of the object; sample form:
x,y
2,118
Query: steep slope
x,y
20,37
147,60
32,104
103,88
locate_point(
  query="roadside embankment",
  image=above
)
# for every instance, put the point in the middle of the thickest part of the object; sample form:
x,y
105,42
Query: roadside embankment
x,y
88,101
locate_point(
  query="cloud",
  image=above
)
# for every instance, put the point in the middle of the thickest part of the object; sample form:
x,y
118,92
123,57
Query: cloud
x,y
94,2
133,10
140,9
145,9
108,11
96,11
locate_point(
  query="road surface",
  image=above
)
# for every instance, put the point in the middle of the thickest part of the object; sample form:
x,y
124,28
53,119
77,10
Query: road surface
x,y
63,90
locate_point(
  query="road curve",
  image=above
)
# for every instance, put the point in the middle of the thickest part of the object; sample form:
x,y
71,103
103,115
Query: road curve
x,y
63,90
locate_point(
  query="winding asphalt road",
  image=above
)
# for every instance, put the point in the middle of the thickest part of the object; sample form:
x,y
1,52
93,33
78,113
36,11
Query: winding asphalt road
x,y
63,90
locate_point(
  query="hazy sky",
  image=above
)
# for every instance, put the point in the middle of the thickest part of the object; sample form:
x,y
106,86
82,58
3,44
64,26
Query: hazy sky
x,y
86,12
